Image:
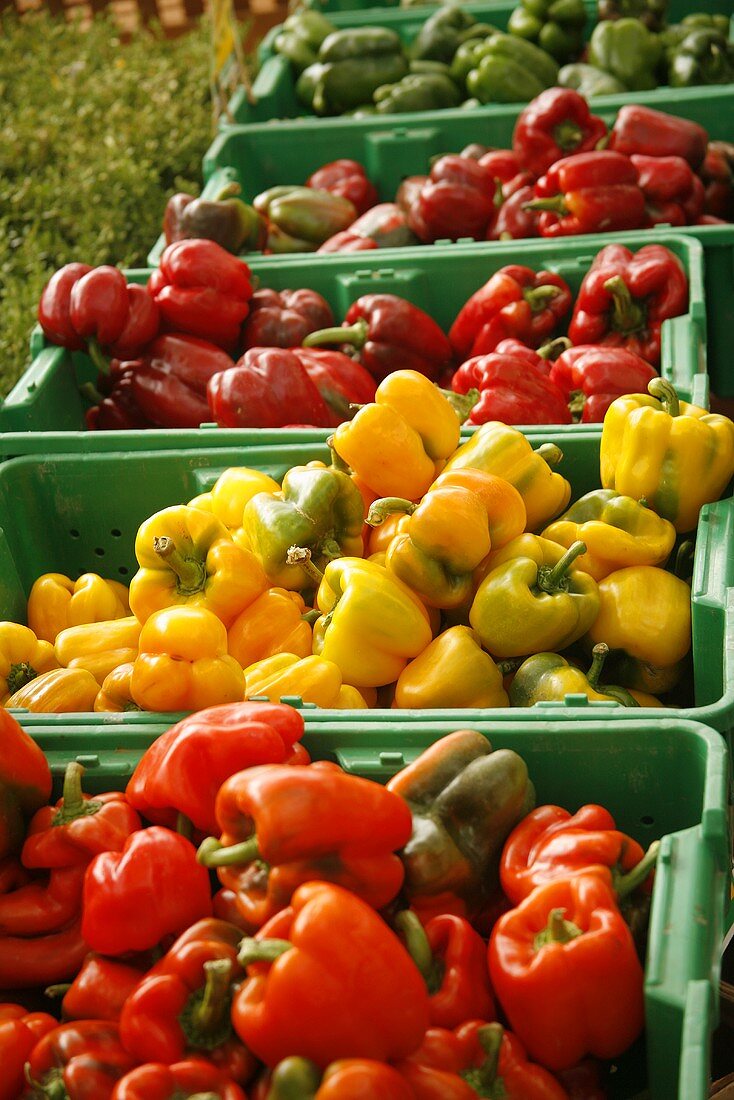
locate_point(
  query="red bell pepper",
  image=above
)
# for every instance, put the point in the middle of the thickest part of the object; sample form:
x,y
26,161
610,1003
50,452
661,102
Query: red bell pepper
x,y
541,358
505,168
44,906
99,306
348,179
673,194
170,384
477,1059
717,173
281,319
341,381
266,388
457,201
556,124
25,783
20,1031
656,134
348,241
79,826
384,226
589,193
143,322
390,334
30,961
202,289
550,844
347,1079
118,411
284,826
99,990
152,889
625,297
452,958
566,955
377,1011
183,769
183,1004
510,390
514,220
192,1078
54,307
410,188
85,1058
516,302
591,377
12,874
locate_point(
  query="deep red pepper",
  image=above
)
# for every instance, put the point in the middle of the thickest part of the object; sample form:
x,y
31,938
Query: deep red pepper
x,y
12,874
118,411
589,193
44,906
152,889
583,1081
28,962
99,990
20,1031
99,305
390,334
340,380
717,173
409,190
348,241
458,201
55,304
202,289
281,319
143,322
541,358
266,388
384,226
86,1058
515,302
191,1078
591,378
656,134
505,168
514,220
556,124
673,194
348,179
510,390
170,385
625,297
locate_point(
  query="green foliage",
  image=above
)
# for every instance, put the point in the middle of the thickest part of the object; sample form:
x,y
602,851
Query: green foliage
x,y
95,135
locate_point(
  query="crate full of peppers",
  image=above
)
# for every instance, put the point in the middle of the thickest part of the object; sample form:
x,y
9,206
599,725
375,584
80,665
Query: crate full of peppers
x,y
242,917
518,342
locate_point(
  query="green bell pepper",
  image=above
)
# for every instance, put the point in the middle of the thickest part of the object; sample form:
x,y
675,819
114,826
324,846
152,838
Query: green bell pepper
x,y
444,31
301,36
510,70
310,214
336,87
556,26
589,81
548,677
703,57
628,51
359,42
417,92
720,23
651,13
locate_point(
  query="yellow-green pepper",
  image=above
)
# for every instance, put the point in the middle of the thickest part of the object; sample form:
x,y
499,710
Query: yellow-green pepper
x,y
453,671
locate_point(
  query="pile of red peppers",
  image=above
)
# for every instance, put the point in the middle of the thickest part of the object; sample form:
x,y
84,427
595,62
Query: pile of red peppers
x,y
243,922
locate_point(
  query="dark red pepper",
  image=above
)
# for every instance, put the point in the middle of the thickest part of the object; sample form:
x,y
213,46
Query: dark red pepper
x,y
340,380
99,990
99,305
589,193
458,201
348,179
142,324
170,385
592,377
505,168
390,334
55,304
281,319
84,1058
118,410
266,388
510,390
717,173
410,188
384,226
674,195
556,124
656,134
348,241
514,220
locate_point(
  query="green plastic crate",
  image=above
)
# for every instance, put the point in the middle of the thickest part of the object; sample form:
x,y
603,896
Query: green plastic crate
x,y
676,10
669,782
47,397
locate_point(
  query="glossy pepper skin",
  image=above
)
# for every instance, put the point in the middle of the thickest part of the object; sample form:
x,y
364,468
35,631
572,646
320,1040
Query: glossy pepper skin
x,y
548,676
170,778
189,1078
98,648
380,1012
223,218
99,305
504,506
418,91
390,334
119,913
20,1031
306,217
450,865
642,130
515,220
300,37
596,192
628,50
25,784
313,679
318,507
617,531
84,1056
56,602
54,307
674,194
566,950
346,1079
274,623
341,381
556,124
351,65
511,391
60,691
202,289
502,450
348,179
457,201
704,57
516,302
557,27
677,456
508,69
43,906
452,671
591,377
99,990
589,81
169,384
115,694
266,388
383,226
27,962
443,32
267,816
281,319
625,297
183,662
22,657
522,606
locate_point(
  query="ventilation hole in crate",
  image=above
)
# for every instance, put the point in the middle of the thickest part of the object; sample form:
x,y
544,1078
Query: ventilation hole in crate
x,y
647,820
116,533
74,533
123,570
99,551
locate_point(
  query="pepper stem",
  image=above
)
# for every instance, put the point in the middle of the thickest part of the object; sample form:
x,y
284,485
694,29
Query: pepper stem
x,y
330,549
413,935
512,664
627,316
684,559
483,1078
252,950
666,395
184,826
73,803
552,580
301,555
625,884
19,675
57,990
554,348
53,1088
599,653
567,135
538,297
461,403
557,930
191,574
555,204
212,853
385,506
90,391
355,334
311,617
213,1008
205,1096
551,453
337,461
95,353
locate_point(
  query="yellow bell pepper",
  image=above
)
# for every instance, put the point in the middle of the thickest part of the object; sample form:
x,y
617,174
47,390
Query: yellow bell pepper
x,y
372,624
22,658
381,536
99,647
183,662
645,613
675,456
314,679
115,694
505,507
61,691
505,452
203,502
453,671
542,551
187,557
56,602
274,623
397,445
617,531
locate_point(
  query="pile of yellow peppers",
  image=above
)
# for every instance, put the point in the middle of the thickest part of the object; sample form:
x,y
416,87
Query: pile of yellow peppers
x,y
412,572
